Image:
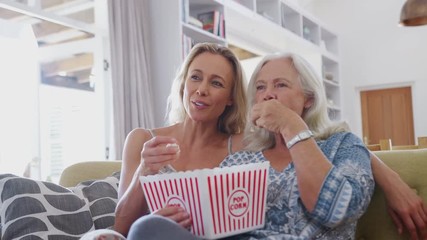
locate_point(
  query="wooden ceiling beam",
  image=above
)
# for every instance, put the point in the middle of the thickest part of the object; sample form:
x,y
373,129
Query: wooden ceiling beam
x,y
59,5
50,53
72,7
78,10
45,28
83,76
77,63
87,16
9,14
51,3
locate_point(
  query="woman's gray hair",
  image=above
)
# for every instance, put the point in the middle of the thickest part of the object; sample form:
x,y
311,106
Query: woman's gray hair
x,y
316,116
233,119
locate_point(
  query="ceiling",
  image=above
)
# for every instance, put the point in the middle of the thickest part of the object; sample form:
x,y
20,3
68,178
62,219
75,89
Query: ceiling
x,y
72,70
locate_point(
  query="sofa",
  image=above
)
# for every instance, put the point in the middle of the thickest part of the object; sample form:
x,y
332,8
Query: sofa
x,y
411,165
376,224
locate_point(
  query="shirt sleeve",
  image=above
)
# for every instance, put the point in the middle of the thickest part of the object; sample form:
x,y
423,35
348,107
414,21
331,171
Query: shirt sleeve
x,y
349,185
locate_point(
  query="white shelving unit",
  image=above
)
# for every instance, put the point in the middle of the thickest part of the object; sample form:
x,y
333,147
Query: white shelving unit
x,y
280,25
259,26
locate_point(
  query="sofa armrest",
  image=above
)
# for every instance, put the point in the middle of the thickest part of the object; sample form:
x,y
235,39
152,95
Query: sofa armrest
x,y
83,171
411,165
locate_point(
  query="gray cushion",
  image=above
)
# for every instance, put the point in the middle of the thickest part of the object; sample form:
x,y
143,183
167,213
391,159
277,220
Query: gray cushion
x,y
43,210
102,198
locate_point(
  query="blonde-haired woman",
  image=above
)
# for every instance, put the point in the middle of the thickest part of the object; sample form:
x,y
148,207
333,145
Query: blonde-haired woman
x,y
207,113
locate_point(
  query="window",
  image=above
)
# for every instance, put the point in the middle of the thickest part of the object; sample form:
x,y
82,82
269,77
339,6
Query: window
x,y
63,87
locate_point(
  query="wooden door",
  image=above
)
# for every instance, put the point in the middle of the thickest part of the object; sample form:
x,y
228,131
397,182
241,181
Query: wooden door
x,y
387,113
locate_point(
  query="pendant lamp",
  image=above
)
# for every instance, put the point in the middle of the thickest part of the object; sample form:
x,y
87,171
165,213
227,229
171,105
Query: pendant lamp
x,y
414,13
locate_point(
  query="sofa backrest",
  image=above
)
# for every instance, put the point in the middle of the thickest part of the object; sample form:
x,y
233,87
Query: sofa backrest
x,y
411,165
83,171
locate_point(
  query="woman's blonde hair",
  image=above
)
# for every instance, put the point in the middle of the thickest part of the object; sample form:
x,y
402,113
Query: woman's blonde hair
x,y
233,119
316,116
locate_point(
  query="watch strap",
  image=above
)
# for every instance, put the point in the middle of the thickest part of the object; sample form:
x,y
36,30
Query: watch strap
x,y
301,136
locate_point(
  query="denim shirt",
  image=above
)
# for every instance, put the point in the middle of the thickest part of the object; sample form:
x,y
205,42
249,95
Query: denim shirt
x,y
343,198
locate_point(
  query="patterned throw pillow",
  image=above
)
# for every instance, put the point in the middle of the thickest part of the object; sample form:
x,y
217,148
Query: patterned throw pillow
x,y
102,198
31,209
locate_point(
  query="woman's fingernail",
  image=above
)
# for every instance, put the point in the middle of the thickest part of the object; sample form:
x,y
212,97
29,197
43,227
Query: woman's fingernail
x,y
172,145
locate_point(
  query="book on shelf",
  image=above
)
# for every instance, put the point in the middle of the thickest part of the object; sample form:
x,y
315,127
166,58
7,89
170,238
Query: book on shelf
x,y
195,22
210,20
185,10
222,26
213,22
187,44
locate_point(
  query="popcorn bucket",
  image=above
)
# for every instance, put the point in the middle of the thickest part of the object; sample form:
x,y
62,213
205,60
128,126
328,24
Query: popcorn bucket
x,y
221,201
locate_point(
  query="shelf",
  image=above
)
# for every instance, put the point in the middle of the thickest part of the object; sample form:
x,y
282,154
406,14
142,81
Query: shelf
x,y
200,6
330,74
334,113
291,19
329,83
269,9
310,31
333,96
208,13
207,23
250,4
334,108
199,35
285,14
330,69
329,41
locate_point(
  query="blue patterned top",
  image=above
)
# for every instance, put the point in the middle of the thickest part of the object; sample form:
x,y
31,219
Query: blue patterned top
x,y
343,198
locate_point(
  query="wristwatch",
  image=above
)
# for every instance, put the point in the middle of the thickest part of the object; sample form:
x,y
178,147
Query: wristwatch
x,y
301,136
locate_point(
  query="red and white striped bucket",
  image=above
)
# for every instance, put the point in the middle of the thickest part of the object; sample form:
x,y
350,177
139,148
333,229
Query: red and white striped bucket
x,y
221,201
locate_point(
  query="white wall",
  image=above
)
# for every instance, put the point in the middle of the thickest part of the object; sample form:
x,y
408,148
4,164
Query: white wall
x,y
376,53
165,59
18,97
249,66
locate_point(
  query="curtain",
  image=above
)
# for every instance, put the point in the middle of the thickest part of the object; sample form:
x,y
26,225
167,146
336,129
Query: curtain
x,y
131,93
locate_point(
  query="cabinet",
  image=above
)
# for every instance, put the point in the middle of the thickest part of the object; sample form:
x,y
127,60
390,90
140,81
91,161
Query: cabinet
x,y
258,26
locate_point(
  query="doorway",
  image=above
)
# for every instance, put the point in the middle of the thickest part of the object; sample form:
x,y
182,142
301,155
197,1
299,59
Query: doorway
x,y
387,114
